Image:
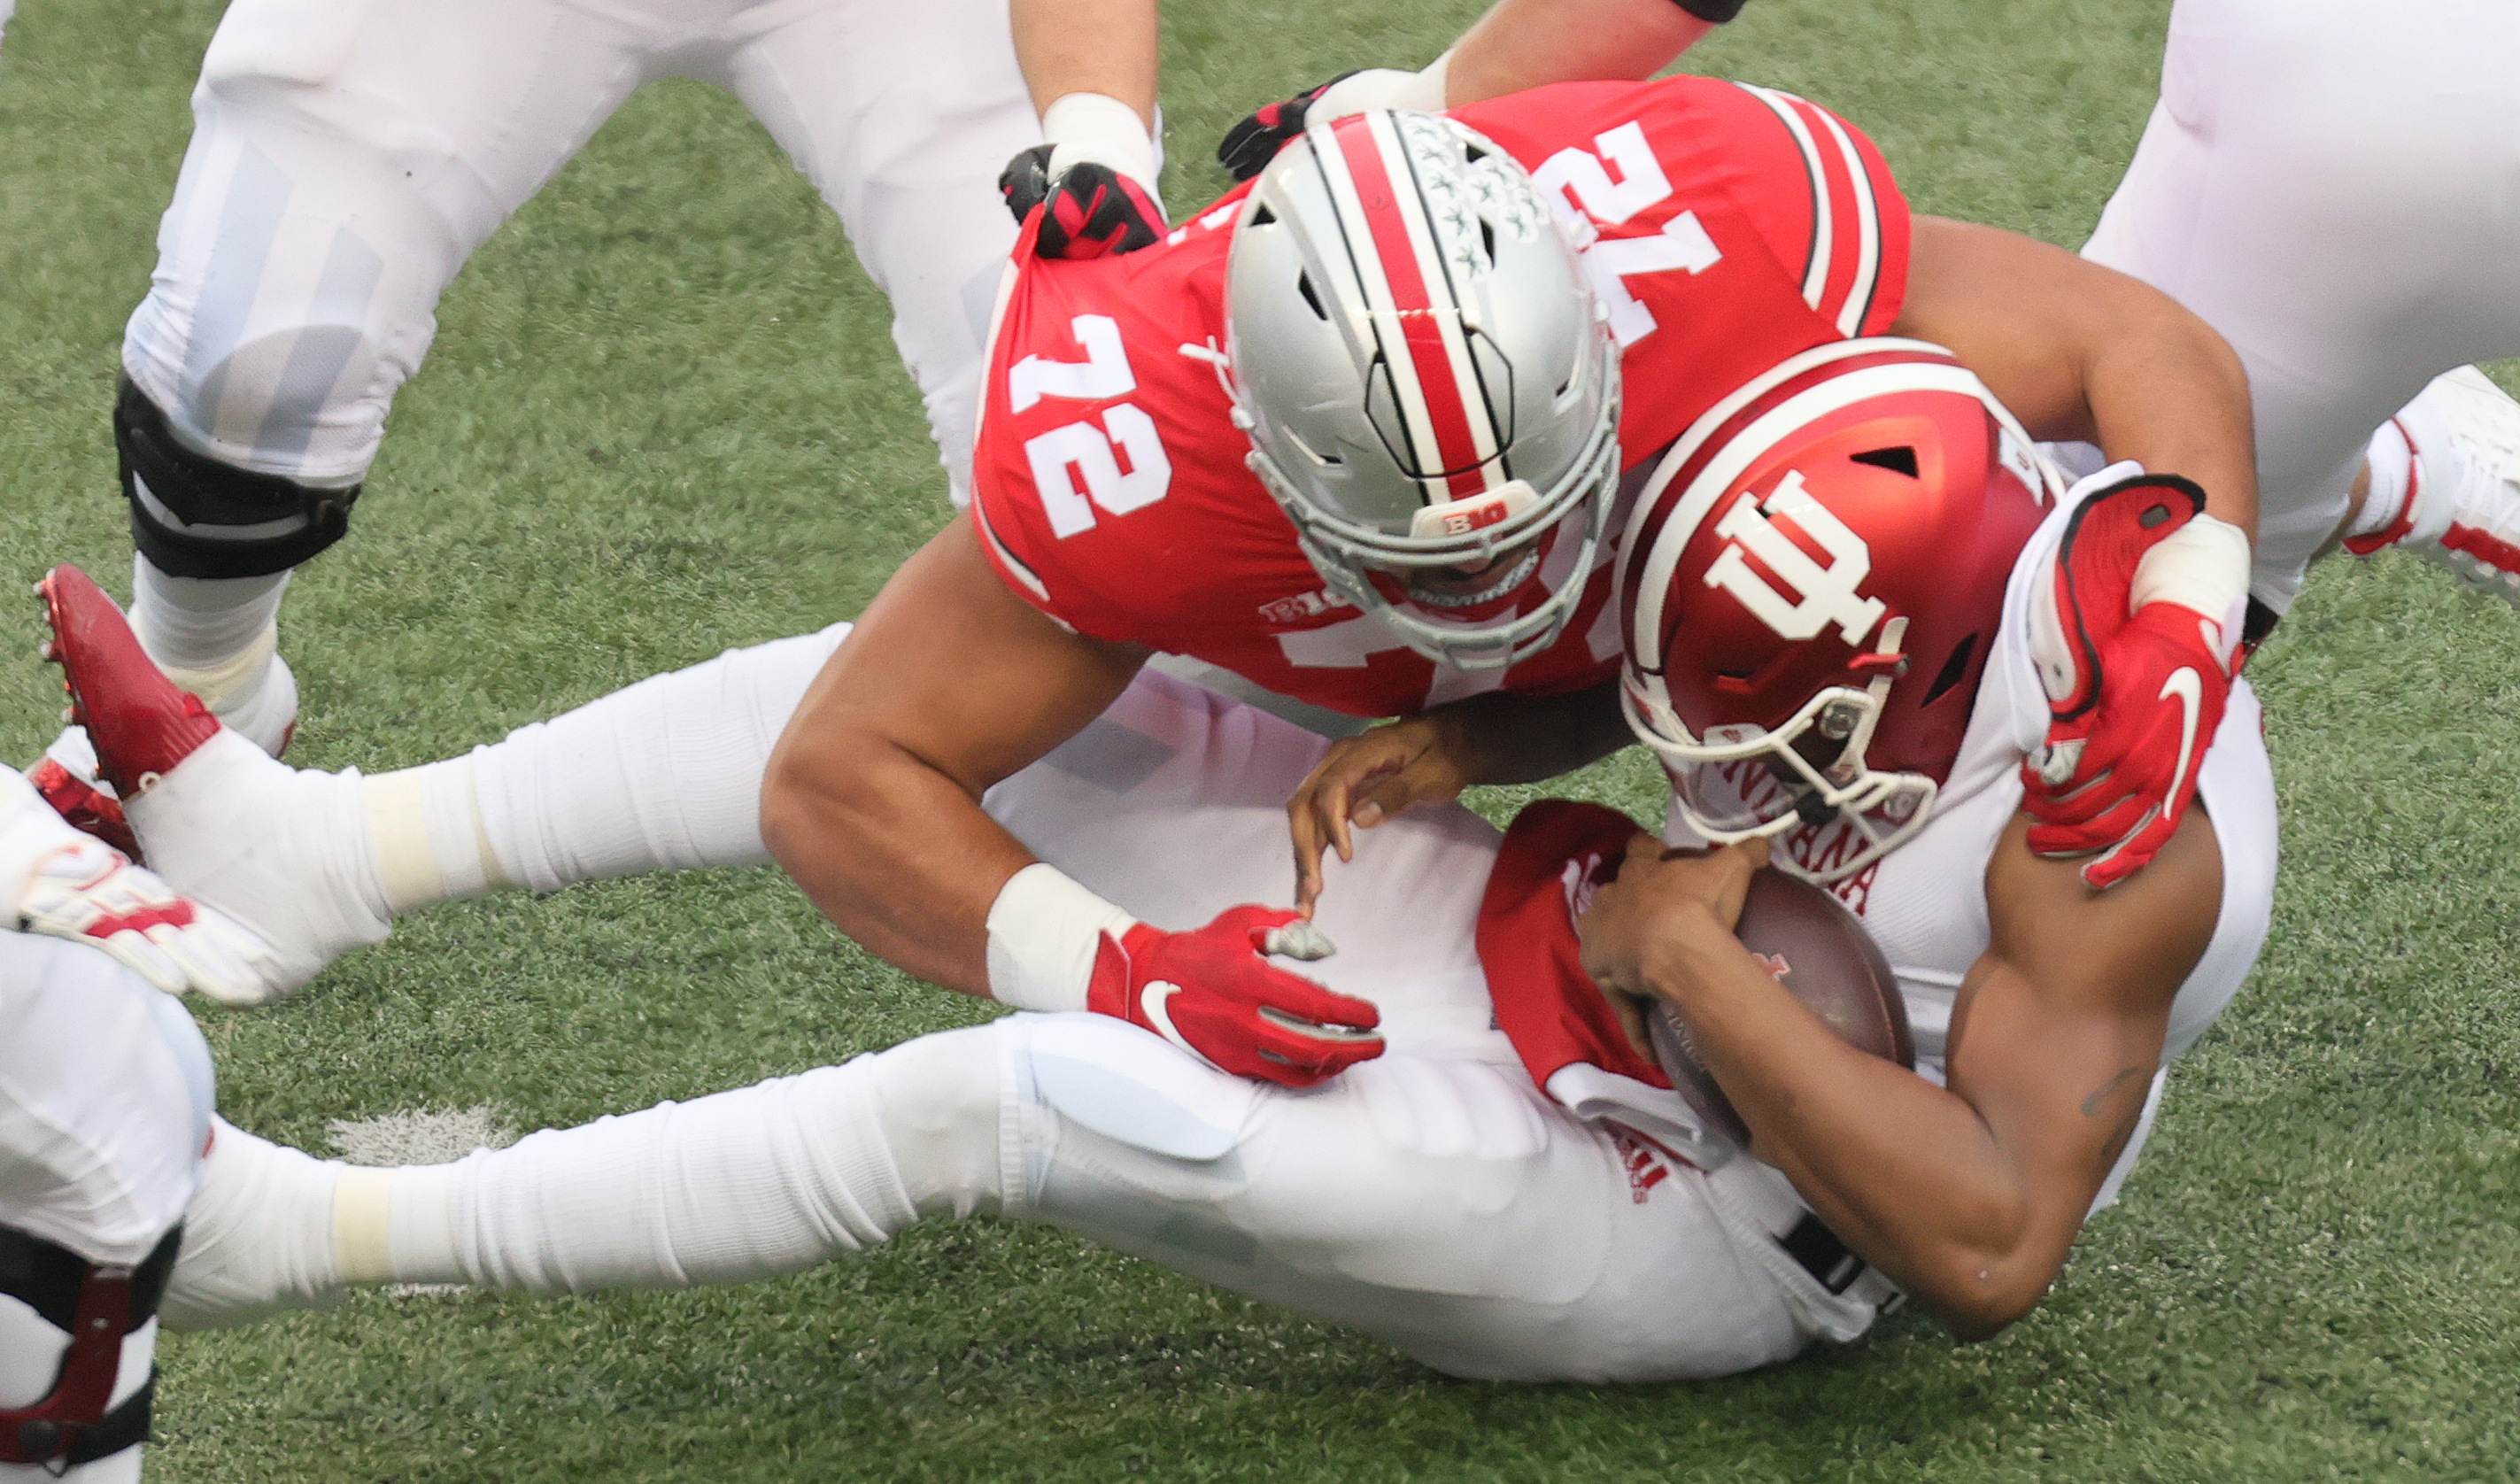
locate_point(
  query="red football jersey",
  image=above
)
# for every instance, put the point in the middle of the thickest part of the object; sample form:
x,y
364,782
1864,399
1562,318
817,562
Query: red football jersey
x,y
1736,226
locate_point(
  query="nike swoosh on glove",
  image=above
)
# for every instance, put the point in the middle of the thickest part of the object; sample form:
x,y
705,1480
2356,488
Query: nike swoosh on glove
x,y
1092,211
88,892
2134,699
1213,993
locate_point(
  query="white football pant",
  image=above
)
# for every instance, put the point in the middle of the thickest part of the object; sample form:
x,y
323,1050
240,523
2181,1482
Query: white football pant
x,y
2329,186
105,1101
349,156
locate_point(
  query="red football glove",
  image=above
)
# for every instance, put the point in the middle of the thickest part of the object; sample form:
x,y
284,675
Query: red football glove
x,y
1095,210
2134,702
1212,993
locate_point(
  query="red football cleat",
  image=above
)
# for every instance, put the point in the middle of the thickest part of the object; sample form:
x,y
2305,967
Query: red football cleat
x,y
88,808
140,724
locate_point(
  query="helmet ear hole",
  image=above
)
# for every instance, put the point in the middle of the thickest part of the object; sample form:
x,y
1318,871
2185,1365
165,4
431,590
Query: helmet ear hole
x,y
1953,670
1304,287
1899,460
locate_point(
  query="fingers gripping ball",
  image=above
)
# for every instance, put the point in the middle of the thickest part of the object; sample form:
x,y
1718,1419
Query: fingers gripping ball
x,y
1822,955
1213,991
2136,668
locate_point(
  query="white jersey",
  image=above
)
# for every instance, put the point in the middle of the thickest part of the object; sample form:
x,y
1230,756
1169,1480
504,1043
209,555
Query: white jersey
x,y
1924,903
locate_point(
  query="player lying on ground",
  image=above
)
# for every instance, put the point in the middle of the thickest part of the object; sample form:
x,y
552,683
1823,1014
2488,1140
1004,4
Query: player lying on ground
x,y
105,1110
1497,1203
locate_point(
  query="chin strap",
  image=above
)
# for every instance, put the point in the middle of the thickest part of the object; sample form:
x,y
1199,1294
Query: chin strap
x,y
97,1306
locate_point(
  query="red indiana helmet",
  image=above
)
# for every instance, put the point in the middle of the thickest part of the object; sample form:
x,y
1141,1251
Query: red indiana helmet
x,y
1810,587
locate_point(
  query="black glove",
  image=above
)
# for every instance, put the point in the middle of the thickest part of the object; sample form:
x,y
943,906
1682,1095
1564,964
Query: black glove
x,y
1095,210
1249,146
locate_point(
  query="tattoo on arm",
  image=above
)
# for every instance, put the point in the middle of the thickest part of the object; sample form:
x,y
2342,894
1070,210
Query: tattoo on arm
x,y
2100,1096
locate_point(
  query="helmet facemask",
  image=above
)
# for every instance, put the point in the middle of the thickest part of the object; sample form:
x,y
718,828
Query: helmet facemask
x,y
1744,781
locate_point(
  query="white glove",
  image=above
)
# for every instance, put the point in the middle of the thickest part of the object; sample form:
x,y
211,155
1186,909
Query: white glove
x,y
57,882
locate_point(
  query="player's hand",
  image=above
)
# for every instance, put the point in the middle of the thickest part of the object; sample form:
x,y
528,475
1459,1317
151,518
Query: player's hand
x,y
2134,701
1213,993
88,892
1361,781
2117,781
1659,894
1093,210
1247,148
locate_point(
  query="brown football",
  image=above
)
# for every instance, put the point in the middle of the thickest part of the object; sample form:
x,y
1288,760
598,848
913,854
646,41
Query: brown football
x,y
1820,952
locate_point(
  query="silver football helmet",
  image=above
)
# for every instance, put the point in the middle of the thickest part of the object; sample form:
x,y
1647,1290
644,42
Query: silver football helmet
x,y
1425,381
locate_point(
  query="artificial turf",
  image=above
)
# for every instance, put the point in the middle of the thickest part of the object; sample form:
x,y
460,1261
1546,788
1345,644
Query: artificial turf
x,y
663,416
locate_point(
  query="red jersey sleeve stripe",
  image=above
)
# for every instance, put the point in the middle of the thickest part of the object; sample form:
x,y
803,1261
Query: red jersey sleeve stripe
x,y
1009,566
1824,235
1861,273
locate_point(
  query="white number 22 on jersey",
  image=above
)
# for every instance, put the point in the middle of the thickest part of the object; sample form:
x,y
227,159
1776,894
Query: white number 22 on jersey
x,y
1076,465
1585,177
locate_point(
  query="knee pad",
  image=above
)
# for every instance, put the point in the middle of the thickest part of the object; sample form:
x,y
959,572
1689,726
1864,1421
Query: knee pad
x,y
96,1306
195,517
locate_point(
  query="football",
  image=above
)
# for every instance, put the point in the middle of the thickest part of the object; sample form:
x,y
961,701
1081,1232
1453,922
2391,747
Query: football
x,y
1820,952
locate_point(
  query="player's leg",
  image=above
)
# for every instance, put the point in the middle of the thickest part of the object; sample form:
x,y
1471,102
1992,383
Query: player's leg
x,y
903,118
1440,1204
105,1098
1171,804
2328,197
345,161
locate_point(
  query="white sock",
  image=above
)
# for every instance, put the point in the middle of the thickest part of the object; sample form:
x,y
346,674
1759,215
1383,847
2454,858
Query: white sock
x,y
283,849
664,775
257,1234
2390,462
200,623
742,1185
424,830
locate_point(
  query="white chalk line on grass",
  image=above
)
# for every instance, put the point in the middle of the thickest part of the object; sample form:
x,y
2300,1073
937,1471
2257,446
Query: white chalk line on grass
x,y
419,1135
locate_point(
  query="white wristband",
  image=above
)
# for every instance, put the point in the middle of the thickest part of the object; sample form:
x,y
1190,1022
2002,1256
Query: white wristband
x,y
1044,931
1098,128
1383,87
2203,566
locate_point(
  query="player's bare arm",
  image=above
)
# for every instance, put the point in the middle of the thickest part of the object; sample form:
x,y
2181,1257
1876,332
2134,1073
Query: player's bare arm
x,y
1967,1197
949,684
1088,45
1430,757
872,801
2085,353
1521,44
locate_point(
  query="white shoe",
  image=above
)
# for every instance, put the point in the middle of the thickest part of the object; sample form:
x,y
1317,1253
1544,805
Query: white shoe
x,y
283,850
258,1235
2462,511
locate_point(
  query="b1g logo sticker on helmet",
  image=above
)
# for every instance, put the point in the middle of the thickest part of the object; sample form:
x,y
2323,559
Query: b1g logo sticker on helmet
x,y
1823,595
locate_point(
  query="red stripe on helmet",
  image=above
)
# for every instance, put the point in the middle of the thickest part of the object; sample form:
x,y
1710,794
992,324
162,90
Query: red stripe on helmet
x,y
1420,308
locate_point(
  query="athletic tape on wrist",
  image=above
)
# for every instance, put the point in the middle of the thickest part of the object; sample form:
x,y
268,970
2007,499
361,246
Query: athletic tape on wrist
x,y
1385,88
1044,931
2204,566
1096,126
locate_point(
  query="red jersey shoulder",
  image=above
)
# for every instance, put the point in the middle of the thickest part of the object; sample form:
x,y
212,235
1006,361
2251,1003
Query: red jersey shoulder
x,y
1723,226
1107,477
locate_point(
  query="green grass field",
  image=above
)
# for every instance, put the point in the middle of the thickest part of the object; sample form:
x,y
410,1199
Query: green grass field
x,y
663,416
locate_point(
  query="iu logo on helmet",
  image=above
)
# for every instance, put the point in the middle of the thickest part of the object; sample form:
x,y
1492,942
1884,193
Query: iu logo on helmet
x,y
1820,595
